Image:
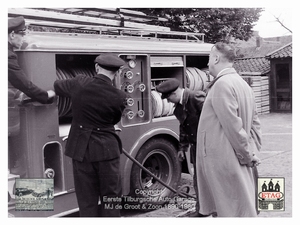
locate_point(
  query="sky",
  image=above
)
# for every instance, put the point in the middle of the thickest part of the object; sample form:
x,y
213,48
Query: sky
x,y
269,27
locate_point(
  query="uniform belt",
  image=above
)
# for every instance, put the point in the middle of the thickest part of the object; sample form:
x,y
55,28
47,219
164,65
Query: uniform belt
x,y
104,129
98,128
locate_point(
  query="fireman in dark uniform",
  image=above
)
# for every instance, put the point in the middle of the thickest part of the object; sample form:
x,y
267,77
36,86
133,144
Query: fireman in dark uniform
x,y
17,79
188,106
18,85
92,144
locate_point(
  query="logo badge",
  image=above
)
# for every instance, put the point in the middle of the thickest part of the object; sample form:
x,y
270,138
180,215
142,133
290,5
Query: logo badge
x,y
271,194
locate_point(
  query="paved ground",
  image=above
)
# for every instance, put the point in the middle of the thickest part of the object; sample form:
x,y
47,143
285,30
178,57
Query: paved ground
x,y
276,156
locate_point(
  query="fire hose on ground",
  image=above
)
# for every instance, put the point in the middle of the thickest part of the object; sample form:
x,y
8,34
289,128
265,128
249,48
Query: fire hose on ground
x,y
178,192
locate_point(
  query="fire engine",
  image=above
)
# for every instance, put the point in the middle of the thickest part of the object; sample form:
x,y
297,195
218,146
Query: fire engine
x,y
148,129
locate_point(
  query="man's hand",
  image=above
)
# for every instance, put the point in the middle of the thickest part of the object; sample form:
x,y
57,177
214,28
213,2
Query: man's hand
x,y
180,155
200,98
51,94
200,95
255,162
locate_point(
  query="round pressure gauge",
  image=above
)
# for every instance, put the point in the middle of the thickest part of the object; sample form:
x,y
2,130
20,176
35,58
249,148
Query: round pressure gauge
x,y
132,63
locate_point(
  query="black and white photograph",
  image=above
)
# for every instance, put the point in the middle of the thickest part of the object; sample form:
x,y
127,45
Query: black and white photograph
x,y
34,195
150,112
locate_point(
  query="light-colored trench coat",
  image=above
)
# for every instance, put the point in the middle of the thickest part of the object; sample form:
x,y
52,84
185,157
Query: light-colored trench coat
x,y
228,135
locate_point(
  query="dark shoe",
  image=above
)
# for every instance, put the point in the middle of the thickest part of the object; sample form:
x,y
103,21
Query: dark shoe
x,y
195,214
201,215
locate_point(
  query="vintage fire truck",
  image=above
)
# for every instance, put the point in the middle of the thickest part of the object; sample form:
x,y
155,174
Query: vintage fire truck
x,y
148,129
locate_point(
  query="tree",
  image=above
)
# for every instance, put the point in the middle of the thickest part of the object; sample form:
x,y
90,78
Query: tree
x,y
216,23
282,24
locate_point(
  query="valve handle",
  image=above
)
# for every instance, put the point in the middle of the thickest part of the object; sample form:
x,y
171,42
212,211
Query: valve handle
x,y
142,87
128,75
141,113
130,115
130,88
130,101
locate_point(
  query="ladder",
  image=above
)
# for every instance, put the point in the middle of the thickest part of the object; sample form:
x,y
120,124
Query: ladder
x,y
113,21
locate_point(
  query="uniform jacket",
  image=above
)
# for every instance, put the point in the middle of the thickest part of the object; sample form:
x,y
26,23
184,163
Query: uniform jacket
x,y
188,114
96,107
17,80
228,135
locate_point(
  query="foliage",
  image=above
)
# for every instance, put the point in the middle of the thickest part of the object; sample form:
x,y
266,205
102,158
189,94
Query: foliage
x,y
216,23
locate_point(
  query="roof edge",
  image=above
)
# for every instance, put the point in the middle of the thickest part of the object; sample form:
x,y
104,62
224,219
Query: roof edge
x,y
251,73
271,53
258,57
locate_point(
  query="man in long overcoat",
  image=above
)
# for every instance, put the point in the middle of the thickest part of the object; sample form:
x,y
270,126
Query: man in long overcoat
x,y
92,144
228,138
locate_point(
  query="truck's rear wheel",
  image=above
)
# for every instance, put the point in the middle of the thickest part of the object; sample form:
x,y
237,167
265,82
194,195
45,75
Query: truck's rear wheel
x,y
159,156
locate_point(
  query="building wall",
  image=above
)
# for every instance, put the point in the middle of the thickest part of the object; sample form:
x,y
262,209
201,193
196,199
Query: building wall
x,y
260,86
281,84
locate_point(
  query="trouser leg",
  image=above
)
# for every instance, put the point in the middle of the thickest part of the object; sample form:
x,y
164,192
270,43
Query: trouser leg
x,y
193,160
255,175
86,188
196,188
110,187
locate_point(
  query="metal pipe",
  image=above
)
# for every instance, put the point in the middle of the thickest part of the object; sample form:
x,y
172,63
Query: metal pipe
x,y
181,194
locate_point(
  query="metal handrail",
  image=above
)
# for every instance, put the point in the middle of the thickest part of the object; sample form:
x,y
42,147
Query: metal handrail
x,y
123,31
52,19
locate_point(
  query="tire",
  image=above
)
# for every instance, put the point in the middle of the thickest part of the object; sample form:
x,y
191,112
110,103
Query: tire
x,y
159,156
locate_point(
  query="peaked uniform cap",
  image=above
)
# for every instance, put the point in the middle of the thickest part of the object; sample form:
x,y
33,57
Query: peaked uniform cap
x,y
167,87
109,61
16,24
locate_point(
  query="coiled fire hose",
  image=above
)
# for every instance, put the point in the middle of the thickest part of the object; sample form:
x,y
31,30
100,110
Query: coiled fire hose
x,y
196,80
178,192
